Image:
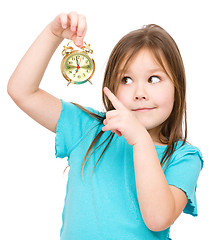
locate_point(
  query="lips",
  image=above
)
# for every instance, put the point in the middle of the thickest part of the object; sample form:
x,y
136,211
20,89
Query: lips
x,y
142,109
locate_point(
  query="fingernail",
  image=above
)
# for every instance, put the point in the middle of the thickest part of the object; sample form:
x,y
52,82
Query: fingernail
x,y
78,42
64,26
79,34
106,89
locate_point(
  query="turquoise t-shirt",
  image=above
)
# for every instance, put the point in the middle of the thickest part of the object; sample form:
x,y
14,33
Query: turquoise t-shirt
x,y
104,205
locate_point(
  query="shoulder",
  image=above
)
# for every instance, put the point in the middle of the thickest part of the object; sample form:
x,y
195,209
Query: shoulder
x,y
75,118
185,159
188,152
77,114
74,123
187,148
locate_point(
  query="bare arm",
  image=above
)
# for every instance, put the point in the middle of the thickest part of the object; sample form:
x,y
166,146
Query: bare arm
x,y
23,86
160,203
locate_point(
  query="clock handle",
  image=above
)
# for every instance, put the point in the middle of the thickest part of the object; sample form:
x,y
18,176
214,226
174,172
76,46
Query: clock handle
x,y
87,48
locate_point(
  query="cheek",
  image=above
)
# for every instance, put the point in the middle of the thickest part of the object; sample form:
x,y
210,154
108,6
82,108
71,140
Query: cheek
x,y
123,96
165,99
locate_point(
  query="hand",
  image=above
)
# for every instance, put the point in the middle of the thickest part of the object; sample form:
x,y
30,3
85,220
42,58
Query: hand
x,y
122,121
72,26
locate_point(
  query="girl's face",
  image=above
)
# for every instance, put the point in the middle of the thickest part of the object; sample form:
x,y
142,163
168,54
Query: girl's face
x,y
147,91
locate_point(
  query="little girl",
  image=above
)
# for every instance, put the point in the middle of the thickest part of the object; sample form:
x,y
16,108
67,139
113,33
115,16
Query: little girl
x,y
132,173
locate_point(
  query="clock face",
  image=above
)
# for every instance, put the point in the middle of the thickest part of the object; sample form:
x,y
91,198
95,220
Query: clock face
x,y
78,67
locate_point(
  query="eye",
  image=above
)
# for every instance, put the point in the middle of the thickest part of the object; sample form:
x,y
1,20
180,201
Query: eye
x,y
126,80
154,79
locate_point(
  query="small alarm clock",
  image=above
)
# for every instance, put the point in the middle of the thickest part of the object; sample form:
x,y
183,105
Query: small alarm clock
x,y
77,66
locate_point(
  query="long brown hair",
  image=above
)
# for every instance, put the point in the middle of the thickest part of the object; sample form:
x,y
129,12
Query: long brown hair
x,y
168,56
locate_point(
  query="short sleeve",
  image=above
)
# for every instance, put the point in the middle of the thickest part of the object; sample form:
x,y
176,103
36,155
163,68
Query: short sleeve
x,y
183,172
72,126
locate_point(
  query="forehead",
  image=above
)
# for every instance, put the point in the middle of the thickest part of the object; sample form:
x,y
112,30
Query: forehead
x,y
146,59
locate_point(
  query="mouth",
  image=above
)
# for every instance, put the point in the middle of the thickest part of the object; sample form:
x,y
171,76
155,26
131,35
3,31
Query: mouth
x,y
142,109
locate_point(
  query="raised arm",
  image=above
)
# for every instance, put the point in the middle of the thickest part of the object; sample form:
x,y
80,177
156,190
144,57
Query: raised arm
x,y
23,86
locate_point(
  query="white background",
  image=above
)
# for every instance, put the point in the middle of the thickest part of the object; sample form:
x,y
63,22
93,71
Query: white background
x,y
32,183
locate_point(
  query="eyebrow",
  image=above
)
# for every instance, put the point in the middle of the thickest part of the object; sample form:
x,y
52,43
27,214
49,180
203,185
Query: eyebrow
x,y
156,70
150,71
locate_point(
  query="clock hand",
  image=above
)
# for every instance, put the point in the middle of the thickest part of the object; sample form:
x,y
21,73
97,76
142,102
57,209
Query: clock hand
x,y
78,63
77,69
80,60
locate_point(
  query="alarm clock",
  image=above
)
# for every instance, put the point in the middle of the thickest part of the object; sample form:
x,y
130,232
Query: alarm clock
x,y
77,66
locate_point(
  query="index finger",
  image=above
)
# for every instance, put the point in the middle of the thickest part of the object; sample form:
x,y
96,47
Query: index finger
x,y
114,100
78,27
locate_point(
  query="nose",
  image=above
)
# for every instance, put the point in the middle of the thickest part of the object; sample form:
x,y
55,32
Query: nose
x,y
140,97
141,93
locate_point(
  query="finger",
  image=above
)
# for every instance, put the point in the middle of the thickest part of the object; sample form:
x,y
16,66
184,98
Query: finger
x,y
73,19
82,26
119,134
63,20
81,30
106,128
114,100
105,122
111,114
112,124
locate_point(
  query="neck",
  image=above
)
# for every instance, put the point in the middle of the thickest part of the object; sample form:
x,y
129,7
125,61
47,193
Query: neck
x,y
155,135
